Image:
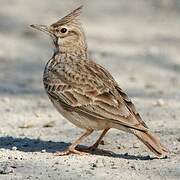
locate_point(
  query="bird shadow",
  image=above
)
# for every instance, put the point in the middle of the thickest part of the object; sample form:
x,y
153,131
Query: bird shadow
x,y
37,145
108,153
31,145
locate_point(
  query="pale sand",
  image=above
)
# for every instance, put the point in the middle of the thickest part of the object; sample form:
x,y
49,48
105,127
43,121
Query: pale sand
x,y
138,43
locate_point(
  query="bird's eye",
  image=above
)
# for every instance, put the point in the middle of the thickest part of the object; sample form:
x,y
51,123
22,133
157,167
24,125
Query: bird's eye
x,y
63,30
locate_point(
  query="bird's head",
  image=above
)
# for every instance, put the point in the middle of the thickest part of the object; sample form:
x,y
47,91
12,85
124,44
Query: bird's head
x,y
67,33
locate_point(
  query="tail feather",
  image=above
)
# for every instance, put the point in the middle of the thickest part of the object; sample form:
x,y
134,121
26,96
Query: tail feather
x,y
152,142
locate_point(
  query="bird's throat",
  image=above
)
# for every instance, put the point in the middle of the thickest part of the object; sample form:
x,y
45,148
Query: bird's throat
x,y
79,52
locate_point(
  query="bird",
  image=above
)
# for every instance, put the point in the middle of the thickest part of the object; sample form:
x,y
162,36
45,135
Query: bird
x,y
84,92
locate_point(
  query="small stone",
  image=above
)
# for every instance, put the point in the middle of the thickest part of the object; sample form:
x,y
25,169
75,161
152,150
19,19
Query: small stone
x,y
93,165
43,150
174,116
14,166
55,169
14,148
159,102
132,78
26,126
49,124
149,86
102,142
2,149
6,100
133,167
36,114
113,167
135,145
29,177
8,110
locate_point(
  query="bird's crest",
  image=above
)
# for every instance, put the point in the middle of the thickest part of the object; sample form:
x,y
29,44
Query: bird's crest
x,y
71,17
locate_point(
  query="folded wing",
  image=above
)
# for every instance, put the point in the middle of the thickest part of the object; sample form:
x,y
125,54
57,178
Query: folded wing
x,y
90,90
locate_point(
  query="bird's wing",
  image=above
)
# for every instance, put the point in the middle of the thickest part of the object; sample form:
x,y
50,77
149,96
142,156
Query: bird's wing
x,y
90,90
130,106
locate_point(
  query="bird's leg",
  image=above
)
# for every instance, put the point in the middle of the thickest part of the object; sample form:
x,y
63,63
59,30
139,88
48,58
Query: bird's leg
x,y
71,149
95,145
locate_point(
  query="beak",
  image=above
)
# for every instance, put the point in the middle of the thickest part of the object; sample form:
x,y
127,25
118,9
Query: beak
x,y
46,30
42,28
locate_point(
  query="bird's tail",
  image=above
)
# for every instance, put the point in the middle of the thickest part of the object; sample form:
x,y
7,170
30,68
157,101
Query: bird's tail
x,y
151,141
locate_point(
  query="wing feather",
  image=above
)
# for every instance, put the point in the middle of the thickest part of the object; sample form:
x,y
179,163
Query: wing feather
x,y
96,94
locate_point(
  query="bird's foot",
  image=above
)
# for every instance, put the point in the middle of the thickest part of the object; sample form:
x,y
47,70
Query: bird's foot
x,y
93,147
70,150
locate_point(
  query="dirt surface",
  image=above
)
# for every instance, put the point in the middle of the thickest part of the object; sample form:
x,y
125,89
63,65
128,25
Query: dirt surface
x,y
137,41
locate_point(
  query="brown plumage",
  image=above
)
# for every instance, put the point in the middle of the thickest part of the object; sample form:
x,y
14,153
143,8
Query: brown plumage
x,y
84,92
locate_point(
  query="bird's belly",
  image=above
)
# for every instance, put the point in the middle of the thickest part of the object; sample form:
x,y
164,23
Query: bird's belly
x,y
79,120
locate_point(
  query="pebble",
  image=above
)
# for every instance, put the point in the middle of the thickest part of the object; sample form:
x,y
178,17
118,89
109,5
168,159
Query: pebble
x,y
102,142
8,110
6,99
133,167
43,150
2,149
119,147
149,86
126,154
135,145
159,102
26,126
14,148
94,165
132,78
49,124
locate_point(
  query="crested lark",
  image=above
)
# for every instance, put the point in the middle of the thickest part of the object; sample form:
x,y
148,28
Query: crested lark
x,y
84,92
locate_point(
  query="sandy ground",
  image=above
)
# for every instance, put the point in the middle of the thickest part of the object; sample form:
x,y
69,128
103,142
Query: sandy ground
x,y
137,41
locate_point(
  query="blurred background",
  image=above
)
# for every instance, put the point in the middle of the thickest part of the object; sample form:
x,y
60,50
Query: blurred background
x,y
137,41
